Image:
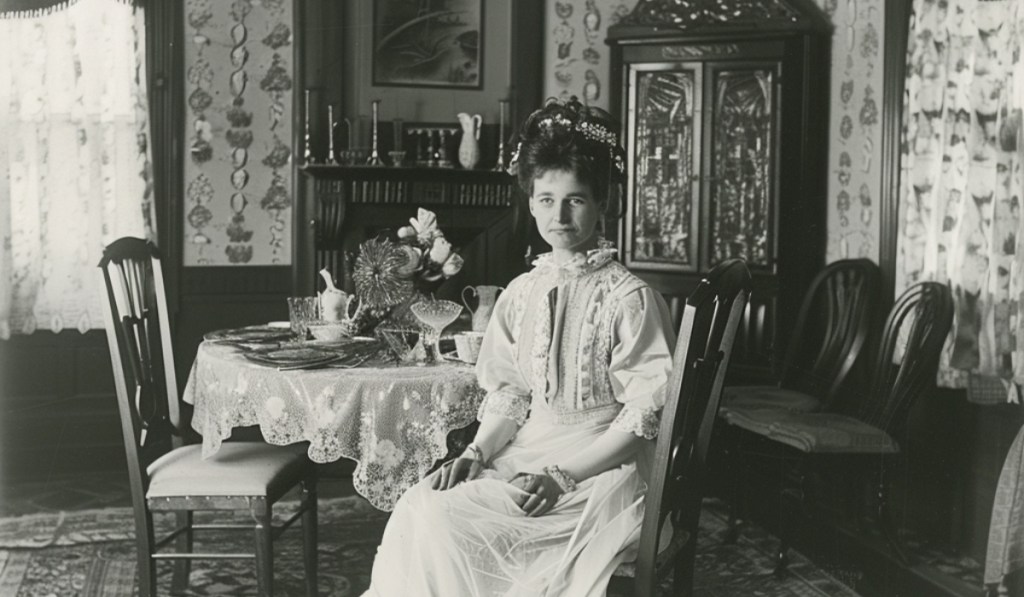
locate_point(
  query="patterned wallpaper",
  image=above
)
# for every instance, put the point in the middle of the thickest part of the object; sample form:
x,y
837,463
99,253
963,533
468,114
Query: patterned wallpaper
x,y
855,152
576,63
575,55
238,61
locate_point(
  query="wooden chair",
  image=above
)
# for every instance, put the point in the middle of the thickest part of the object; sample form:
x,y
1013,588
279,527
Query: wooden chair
x,y
831,328
710,319
905,367
164,474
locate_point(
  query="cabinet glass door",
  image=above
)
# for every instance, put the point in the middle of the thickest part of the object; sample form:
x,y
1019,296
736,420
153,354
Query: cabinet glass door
x,y
662,210
742,168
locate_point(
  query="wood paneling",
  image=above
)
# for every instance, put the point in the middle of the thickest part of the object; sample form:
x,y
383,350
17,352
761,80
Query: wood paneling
x,y
58,412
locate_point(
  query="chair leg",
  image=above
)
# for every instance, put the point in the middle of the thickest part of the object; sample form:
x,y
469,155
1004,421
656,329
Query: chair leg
x,y
781,559
886,521
732,531
732,450
144,552
682,574
182,567
799,491
309,535
264,530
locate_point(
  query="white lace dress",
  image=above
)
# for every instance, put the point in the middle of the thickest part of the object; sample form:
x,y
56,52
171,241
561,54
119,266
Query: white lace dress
x,y
570,352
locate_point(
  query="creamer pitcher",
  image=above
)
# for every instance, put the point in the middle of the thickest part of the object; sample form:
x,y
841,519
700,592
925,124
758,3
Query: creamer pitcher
x,y
486,297
469,147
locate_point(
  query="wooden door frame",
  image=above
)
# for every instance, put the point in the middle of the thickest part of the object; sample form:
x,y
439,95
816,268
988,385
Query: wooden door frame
x,y
897,24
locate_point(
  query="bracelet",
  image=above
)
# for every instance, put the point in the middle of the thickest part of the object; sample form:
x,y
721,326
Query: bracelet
x,y
477,452
564,481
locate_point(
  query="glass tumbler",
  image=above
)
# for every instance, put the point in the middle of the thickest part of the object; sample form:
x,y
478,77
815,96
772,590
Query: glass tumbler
x,y
301,311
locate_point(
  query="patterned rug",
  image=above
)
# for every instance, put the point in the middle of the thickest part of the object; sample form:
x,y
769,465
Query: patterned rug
x,y
91,553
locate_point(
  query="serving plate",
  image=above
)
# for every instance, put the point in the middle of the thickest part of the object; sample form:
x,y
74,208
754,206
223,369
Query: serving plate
x,y
255,333
295,356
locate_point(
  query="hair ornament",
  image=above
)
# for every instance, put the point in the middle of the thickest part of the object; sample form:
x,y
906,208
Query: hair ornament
x,y
598,132
555,119
593,131
513,164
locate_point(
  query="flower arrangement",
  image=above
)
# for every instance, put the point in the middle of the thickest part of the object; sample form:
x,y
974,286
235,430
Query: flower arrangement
x,y
388,273
428,255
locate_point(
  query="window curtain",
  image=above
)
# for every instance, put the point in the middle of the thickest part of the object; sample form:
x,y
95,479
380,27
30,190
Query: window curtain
x,y
961,181
74,159
27,9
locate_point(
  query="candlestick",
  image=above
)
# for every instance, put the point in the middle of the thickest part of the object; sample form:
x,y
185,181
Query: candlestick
x,y
397,153
374,159
330,135
307,155
500,165
396,131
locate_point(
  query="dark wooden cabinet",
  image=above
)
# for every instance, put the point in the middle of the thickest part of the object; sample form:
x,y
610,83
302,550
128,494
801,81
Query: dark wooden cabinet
x,y
724,107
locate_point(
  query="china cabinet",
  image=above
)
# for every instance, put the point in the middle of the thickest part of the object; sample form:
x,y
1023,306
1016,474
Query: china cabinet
x,y
724,106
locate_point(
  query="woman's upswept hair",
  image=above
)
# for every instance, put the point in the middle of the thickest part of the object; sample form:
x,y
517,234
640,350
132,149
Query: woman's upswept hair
x,y
571,137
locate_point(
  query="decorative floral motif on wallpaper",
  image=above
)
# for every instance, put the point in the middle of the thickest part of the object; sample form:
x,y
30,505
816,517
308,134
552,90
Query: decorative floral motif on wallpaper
x,y
238,179
854,179
962,179
576,60
577,64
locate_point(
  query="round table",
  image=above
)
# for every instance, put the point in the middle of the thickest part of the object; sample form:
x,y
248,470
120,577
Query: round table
x,y
392,420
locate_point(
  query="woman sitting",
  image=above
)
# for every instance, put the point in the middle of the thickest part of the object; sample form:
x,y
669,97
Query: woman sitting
x,y
548,499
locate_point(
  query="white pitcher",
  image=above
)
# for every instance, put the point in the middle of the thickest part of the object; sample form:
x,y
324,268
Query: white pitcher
x,y
469,148
486,297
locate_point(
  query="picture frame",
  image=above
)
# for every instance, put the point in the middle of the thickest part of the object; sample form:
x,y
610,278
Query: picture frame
x,y
442,48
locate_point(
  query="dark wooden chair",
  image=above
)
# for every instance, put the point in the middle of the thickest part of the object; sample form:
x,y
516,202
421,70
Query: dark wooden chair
x,y
831,328
164,474
905,367
710,320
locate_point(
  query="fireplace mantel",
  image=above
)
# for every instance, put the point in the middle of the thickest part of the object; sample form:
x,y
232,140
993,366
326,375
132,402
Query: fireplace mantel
x,y
344,205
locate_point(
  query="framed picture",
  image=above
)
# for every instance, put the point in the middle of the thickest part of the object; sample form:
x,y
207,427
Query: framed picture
x,y
428,43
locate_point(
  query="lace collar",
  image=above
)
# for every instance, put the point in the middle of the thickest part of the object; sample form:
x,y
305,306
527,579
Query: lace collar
x,y
580,264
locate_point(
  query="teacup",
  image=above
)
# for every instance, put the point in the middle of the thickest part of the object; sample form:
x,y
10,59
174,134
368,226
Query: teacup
x,y
467,346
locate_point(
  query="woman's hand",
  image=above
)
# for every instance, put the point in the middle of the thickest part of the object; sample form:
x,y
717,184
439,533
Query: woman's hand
x,y
542,492
456,471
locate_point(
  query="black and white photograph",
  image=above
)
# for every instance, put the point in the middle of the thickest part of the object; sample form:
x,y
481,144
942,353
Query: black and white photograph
x,y
519,298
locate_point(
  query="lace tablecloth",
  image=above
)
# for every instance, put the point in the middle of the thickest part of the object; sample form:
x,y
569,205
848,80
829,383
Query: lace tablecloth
x,y
393,421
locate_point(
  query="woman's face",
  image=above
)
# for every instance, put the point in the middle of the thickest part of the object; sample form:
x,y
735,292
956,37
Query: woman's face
x,y
566,211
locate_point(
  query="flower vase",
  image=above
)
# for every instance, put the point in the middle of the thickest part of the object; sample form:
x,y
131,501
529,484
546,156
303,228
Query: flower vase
x,y
403,332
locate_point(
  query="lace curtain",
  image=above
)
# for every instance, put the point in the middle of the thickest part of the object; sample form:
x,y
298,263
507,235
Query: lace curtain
x,y
962,181
74,159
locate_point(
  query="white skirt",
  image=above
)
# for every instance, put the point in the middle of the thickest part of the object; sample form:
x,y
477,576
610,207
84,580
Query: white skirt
x,y
474,540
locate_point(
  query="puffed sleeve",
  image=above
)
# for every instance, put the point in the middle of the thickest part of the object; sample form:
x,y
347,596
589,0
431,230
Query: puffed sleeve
x,y
641,361
496,370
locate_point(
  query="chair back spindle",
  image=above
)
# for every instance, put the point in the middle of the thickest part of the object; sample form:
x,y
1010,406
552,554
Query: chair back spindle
x,y
138,332
908,356
831,329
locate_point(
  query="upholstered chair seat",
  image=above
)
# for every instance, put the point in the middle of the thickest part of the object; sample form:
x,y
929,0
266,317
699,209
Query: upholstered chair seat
x,y
237,469
757,397
815,432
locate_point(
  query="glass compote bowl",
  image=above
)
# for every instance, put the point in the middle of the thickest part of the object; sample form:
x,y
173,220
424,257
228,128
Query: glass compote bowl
x,y
435,316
